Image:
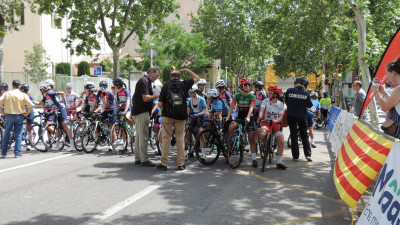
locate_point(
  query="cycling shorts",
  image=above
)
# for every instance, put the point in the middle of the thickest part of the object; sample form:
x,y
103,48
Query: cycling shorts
x,y
29,119
157,121
324,113
251,126
310,119
198,122
276,128
62,117
112,119
123,109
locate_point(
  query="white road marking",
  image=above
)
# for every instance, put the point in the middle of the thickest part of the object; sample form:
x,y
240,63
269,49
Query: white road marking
x,y
34,163
119,206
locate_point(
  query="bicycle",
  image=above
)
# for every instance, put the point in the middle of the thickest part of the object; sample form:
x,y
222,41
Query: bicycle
x,y
214,140
123,135
55,133
236,144
190,135
268,146
82,123
95,134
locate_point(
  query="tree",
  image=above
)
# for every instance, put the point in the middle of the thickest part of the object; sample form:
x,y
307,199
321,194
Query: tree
x,y
116,20
83,68
229,27
176,47
63,68
106,65
10,17
36,63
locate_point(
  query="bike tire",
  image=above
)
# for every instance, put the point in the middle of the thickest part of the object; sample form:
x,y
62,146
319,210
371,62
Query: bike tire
x,y
289,142
152,138
78,134
119,146
89,139
235,150
190,146
159,143
212,149
51,142
265,154
37,138
270,148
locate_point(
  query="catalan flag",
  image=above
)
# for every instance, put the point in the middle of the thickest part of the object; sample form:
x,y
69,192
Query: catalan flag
x,y
360,158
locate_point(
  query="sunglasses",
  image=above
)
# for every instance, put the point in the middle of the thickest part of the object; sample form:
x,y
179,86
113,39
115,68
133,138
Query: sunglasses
x,y
246,85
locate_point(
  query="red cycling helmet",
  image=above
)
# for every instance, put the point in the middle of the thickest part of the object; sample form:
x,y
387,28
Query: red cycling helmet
x,y
244,81
275,89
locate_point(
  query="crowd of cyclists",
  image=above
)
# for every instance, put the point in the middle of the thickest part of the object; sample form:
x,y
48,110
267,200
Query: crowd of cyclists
x,y
258,111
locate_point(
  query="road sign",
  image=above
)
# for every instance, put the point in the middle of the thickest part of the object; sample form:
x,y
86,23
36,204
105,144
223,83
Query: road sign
x,y
97,70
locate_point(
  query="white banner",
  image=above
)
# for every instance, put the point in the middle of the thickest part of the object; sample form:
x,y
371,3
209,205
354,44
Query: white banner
x,y
384,205
342,127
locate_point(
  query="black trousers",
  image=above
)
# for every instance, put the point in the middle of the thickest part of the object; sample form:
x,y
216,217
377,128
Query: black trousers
x,y
296,125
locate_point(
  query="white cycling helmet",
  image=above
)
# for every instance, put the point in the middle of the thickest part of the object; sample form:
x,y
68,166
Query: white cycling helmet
x,y
201,81
220,83
193,89
50,82
69,85
213,93
44,86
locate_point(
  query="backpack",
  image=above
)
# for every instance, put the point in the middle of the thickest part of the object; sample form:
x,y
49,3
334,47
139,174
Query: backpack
x,y
177,101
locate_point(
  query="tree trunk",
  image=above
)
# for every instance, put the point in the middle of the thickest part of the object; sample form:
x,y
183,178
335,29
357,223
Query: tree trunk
x,y
116,62
362,50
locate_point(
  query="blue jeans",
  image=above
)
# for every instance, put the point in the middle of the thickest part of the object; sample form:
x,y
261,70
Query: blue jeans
x,y
15,121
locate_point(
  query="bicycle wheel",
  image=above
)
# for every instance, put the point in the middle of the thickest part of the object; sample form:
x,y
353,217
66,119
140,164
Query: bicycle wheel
x,y
78,134
209,154
190,145
265,152
235,150
132,139
270,147
90,138
37,138
152,138
119,145
54,138
289,141
159,143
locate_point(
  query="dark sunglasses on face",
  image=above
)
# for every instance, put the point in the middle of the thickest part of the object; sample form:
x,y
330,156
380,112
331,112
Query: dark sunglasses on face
x,y
246,85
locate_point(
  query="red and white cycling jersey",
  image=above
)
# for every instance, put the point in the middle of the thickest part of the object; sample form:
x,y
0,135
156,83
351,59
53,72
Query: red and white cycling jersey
x,y
272,110
71,100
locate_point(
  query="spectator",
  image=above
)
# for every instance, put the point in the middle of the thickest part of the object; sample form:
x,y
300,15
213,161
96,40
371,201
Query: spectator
x,y
174,112
141,109
297,101
14,112
359,99
390,102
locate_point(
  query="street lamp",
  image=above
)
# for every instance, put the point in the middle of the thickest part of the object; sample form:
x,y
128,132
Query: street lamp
x,y
151,54
226,75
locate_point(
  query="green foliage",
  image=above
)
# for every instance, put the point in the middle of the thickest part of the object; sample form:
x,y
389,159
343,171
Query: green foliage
x,y
229,28
63,68
177,47
36,63
165,74
106,65
10,14
116,21
83,68
127,64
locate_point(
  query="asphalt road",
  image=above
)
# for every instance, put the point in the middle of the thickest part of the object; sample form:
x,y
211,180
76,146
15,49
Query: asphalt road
x,y
104,188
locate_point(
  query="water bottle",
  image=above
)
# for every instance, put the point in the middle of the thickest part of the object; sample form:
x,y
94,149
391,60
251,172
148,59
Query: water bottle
x,y
106,130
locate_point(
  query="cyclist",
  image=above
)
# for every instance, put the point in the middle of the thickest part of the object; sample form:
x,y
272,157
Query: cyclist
x,y
107,97
272,110
84,92
201,86
258,88
314,110
245,103
4,88
218,107
123,99
51,104
90,99
70,100
325,103
197,109
29,119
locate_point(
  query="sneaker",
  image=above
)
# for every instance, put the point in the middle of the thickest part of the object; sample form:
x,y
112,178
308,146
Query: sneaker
x,y
162,167
28,148
137,162
313,145
295,159
71,148
181,167
148,164
255,165
58,144
281,166
17,156
309,158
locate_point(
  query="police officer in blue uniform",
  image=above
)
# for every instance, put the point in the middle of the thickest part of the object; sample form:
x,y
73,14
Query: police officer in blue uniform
x,y
297,101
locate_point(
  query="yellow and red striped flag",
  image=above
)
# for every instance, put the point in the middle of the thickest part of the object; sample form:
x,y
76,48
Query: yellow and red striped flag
x,y
360,158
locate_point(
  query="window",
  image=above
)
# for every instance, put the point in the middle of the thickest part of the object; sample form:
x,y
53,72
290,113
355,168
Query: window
x,y
22,14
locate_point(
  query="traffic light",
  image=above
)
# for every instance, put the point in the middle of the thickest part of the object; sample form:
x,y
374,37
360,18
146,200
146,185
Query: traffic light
x,y
339,70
